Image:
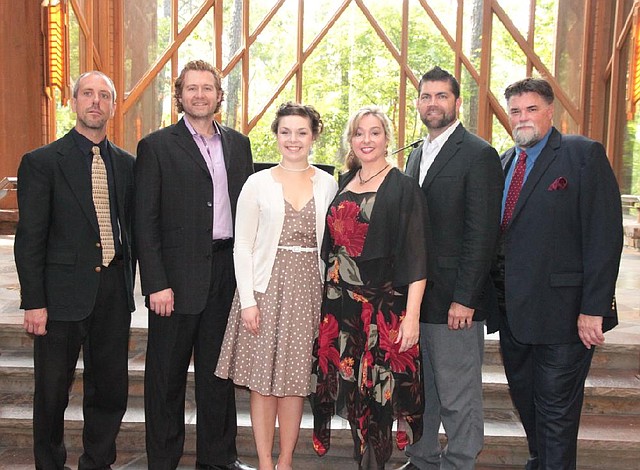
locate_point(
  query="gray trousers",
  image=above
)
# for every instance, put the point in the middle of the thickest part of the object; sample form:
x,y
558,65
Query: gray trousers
x,y
452,366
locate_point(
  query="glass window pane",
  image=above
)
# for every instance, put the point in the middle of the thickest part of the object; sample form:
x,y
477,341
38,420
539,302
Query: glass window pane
x,y
427,47
268,64
508,62
151,112
148,19
232,28
316,16
569,43
199,45
472,31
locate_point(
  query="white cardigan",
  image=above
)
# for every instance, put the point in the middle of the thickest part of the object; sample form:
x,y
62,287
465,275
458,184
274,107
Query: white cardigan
x,y
259,222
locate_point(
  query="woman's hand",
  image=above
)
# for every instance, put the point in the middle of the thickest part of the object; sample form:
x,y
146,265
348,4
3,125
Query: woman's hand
x,y
408,333
251,319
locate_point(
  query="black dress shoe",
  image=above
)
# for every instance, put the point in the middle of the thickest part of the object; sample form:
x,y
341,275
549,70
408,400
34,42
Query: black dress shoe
x,y
408,466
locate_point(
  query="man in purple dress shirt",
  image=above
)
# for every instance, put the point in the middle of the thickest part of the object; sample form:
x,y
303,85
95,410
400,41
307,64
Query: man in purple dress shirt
x,y
188,178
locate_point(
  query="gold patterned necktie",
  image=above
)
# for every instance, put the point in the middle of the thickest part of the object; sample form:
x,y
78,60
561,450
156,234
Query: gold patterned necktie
x,y
100,192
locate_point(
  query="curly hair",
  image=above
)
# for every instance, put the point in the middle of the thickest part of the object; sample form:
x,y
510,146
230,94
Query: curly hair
x,y
296,109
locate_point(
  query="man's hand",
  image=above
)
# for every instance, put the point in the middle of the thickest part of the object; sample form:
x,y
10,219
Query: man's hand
x,y
460,316
251,319
161,302
35,321
590,330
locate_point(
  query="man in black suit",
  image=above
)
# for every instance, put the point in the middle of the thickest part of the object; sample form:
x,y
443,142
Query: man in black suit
x,y
77,294
557,269
188,178
462,180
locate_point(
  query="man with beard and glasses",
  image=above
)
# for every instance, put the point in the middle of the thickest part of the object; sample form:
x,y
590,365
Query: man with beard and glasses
x,y
73,252
462,180
556,270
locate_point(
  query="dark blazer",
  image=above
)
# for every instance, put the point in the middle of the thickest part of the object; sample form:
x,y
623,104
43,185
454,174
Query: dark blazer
x,y
57,240
562,247
463,188
174,216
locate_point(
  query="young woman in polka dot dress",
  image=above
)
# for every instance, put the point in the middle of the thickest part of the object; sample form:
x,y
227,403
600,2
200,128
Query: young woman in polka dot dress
x,y
275,313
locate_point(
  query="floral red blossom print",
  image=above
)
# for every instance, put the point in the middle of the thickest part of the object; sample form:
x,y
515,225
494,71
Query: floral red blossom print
x,y
388,332
367,313
402,439
318,446
327,352
345,229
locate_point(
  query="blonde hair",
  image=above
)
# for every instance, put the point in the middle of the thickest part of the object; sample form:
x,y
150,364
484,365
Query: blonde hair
x,y
351,162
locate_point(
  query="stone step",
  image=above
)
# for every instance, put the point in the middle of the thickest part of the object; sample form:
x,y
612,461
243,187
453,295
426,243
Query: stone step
x,y
602,439
607,391
608,356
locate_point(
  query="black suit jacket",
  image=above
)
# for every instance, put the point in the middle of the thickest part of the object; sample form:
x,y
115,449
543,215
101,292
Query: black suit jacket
x,y
174,210
562,247
463,188
57,240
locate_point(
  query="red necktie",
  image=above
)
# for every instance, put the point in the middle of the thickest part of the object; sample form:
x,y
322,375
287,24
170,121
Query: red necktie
x,y
514,189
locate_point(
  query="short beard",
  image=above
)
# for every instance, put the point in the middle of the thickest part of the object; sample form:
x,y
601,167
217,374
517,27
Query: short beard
x,y
444,121
526,139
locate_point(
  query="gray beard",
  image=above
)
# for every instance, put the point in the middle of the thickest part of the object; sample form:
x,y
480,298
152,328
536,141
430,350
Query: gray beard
x,y
525,139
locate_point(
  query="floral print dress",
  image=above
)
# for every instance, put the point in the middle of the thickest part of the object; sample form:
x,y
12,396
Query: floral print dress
x,y
360,373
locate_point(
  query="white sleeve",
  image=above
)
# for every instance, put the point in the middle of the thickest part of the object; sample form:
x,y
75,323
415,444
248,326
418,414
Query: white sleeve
x,y
247,215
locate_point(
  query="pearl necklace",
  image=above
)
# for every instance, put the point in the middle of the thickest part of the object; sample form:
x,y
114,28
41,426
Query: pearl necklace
x,y
362,181
294,169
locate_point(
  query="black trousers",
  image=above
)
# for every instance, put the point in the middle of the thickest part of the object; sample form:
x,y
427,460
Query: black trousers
x,y
171,343
546,382
104,339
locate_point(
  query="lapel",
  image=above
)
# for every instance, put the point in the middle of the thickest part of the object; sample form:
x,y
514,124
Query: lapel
x,y
546,158
186,142
226,145
448,150
413,163
120,169
507,159
78,177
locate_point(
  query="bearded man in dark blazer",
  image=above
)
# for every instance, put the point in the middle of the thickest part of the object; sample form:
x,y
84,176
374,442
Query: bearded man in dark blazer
x,y
188,177
76,276
556,273
462,180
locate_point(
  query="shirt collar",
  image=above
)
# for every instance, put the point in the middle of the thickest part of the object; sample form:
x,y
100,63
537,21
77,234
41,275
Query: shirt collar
x,y
535,150
85,144
442,138
216,128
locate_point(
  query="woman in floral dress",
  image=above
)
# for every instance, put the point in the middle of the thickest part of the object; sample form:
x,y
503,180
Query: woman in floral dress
x,y
366,357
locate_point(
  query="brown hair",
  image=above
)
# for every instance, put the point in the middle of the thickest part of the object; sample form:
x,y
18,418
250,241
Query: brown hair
x,y
296,109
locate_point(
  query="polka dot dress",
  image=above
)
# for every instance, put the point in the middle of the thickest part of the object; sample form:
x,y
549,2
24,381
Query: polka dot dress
x,y
278,361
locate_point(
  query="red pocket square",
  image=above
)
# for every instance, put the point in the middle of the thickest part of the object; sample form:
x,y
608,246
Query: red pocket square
x,y
559,183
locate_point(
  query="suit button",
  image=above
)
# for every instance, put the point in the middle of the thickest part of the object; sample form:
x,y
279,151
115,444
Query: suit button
x,y
209,204
97,244
98,269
